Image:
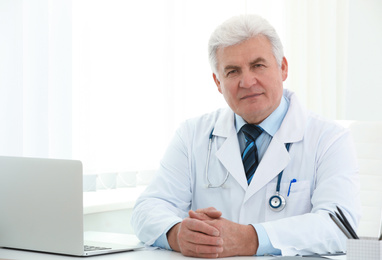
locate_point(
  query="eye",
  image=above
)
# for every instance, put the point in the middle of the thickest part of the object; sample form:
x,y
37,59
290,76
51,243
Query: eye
x,y
231,72
258,65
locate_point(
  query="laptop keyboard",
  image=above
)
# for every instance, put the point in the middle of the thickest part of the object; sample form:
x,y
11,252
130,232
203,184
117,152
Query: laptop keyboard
x,y
95,248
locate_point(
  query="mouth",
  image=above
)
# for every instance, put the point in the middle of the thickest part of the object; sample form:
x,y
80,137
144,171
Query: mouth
x,y
250,96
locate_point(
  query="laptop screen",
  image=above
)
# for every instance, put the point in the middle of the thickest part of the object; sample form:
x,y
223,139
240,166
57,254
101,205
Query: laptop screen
x,y
41,204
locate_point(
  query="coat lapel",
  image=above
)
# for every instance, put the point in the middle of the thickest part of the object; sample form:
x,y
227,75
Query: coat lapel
x,y
228,149
229,156
276,158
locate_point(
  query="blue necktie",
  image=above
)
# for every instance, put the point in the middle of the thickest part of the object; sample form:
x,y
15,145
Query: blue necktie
x,y
250,156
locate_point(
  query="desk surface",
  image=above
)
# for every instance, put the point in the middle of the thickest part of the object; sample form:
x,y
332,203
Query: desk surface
x,y
143,254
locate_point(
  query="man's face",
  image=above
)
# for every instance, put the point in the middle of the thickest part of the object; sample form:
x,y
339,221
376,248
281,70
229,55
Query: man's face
x,y
250,79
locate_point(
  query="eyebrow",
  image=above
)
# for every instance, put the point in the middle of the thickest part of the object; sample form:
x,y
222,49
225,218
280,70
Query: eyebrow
x,y
258,60
230,67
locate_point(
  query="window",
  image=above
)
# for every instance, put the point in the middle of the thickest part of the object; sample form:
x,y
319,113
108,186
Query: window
x,y
109,81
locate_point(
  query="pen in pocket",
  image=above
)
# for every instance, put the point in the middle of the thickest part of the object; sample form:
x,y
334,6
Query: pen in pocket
x,y
290,185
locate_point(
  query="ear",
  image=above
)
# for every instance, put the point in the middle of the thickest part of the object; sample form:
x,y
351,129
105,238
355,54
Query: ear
x,y
284,69
217,82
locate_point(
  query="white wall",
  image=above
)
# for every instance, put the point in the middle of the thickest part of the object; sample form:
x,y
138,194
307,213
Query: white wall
x,y
36,78
364,92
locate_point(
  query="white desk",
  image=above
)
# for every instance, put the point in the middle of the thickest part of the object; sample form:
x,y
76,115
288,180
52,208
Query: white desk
x,y
141,254
134,255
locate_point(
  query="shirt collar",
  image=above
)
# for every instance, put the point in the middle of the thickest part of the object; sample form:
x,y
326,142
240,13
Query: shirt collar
x,y
272,123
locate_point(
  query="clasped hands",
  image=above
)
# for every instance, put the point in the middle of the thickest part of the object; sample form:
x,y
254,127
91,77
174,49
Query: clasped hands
x,y
205,233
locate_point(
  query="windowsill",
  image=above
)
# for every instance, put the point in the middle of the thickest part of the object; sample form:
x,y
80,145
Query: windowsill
x,y
112,199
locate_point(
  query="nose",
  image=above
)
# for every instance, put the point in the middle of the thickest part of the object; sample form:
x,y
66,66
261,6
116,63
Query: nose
x,y
247,80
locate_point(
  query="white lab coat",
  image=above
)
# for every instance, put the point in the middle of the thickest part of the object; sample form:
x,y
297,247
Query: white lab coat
x,y
321,158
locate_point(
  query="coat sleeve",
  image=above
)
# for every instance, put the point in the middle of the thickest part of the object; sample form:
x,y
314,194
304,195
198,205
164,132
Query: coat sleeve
x,y
167,199
336,184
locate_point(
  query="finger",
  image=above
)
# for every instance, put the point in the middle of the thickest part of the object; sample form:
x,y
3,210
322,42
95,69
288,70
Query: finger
x,y
200,255
198,238
201,227
200,247
202,251
193,240
210,212
207,256
196,243
200,216
205,214
206,209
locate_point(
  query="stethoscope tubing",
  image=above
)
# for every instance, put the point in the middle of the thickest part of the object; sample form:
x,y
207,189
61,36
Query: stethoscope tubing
x,y
209,185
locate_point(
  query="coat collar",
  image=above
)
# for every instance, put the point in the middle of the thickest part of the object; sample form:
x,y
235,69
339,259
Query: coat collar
x,y
225,124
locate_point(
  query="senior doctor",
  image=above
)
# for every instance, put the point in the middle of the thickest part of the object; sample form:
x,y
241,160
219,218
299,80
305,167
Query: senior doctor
x,y
200,201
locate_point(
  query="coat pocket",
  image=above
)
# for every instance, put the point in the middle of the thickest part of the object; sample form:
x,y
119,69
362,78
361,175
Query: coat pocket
x,y
297,203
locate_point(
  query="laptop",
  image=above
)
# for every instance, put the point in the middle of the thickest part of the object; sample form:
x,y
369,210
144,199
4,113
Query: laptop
x,y
41,208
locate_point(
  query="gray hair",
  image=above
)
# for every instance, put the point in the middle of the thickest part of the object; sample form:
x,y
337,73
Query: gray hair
x,y
239,29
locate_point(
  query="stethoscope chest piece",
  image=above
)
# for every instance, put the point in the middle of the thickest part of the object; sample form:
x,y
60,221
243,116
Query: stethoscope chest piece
x,y
277,202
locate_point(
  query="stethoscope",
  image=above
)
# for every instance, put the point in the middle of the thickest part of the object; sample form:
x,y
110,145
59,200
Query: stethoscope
x,y
276,203
210,185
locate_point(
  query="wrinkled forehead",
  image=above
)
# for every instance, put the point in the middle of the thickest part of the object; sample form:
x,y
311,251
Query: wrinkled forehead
x,y
255,48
